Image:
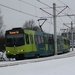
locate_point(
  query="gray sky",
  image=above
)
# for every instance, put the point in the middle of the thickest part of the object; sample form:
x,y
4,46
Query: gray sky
x,y
13,18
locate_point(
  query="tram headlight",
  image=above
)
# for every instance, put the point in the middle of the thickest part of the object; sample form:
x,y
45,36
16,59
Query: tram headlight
x,y
8,51
22,50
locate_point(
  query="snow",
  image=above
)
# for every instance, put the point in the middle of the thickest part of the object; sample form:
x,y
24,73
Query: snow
x,y
63,66
3,56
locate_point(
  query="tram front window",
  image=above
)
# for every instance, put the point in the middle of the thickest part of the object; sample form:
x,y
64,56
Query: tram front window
x,y
14,40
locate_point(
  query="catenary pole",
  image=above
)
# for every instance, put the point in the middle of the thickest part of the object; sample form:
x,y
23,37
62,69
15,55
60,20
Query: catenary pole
x,y
67,33
72,35
55,32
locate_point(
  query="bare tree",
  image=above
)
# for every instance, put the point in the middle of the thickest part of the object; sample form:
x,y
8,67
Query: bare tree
x,y
1,25
2,38
36,28
31,25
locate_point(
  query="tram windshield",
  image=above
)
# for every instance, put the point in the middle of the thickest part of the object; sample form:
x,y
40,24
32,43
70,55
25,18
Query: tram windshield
x,y
14,40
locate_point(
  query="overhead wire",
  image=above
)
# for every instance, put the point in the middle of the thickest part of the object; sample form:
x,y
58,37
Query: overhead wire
x,y
18,10
49,7
68,7
71,11
60,17
61,2
65,4
33,5
62,20
29,4
44,3
19,5
52,24
65,14
63,23
22,11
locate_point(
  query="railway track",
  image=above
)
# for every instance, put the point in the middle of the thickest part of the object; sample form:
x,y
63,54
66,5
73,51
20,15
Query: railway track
x,y
12,63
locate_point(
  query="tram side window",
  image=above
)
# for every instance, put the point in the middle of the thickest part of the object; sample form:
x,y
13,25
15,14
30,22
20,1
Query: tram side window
x,y
45,39
68,41
39,39
61,41
27,39
42,39
58,41
50,40
36,39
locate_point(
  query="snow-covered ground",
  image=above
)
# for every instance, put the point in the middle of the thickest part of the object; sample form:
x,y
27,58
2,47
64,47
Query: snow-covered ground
x,y
64,66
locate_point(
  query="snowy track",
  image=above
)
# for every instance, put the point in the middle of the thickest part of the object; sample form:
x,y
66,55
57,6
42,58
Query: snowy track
x,y
12,63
